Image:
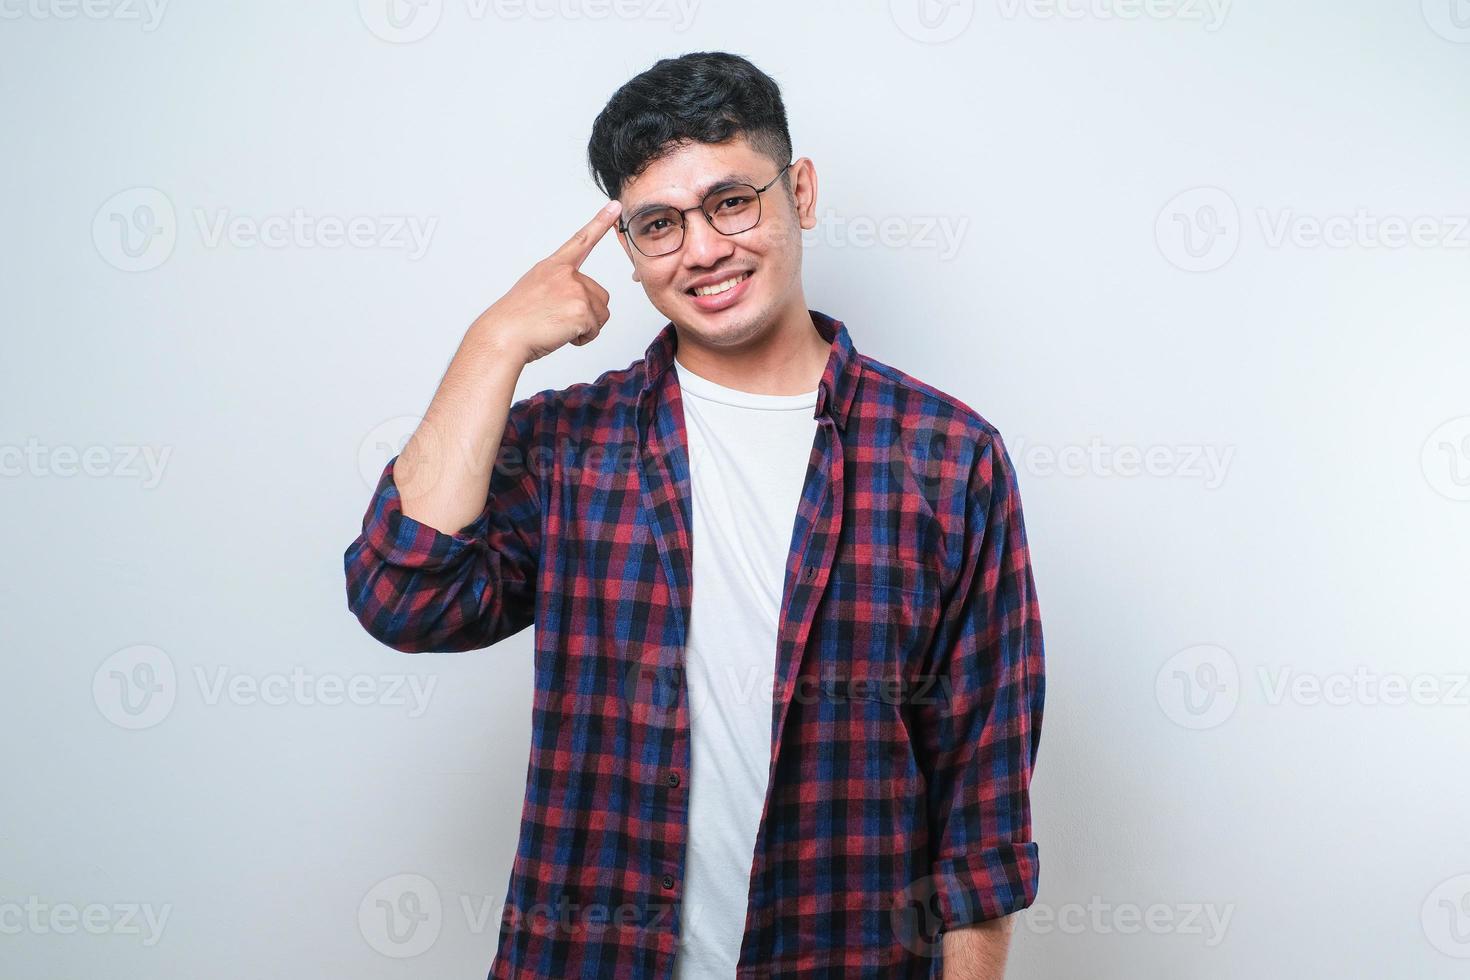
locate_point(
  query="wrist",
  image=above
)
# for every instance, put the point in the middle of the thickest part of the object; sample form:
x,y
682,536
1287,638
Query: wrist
x,y
495,343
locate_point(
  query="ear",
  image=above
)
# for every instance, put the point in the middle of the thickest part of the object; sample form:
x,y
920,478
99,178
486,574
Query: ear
x,y
804,188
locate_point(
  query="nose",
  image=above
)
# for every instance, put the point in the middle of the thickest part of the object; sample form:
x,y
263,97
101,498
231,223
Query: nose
x,y
703,245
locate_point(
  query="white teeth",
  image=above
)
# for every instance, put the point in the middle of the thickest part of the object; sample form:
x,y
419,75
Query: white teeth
x,y
721,287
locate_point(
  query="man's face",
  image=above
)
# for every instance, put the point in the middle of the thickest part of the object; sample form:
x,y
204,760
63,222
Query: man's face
x,y
768,256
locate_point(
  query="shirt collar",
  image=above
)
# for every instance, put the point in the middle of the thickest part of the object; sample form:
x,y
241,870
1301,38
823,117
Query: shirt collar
x,y
834,392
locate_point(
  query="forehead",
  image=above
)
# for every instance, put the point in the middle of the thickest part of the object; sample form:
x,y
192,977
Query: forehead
x,y
681,176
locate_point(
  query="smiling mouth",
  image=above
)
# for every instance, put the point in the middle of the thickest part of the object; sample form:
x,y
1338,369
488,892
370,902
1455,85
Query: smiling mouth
x,y
720,287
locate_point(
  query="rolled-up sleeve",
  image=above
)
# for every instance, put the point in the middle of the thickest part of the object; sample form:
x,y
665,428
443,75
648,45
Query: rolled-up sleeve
x,y
977,741
417,589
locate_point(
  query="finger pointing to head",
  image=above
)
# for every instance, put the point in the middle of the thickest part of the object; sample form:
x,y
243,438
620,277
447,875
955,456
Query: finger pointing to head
x,y
579,246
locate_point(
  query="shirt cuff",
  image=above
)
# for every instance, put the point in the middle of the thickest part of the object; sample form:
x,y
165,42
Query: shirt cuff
x,y
400,540
988,885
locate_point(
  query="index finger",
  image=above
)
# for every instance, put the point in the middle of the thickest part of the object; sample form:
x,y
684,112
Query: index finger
x,y
579,246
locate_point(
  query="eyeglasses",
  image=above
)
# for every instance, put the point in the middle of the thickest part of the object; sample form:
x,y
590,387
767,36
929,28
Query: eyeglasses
x,y
730,209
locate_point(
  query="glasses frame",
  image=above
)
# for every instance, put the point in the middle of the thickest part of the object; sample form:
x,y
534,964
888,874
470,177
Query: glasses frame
x,y
684,222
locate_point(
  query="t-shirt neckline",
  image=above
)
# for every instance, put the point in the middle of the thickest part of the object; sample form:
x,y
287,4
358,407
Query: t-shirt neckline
x,y
702,387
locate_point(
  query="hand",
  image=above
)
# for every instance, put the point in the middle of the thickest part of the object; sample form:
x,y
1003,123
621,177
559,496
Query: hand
x,y
554,303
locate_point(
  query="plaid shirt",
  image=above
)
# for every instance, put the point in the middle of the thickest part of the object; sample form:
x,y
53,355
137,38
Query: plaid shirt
x,y
908,673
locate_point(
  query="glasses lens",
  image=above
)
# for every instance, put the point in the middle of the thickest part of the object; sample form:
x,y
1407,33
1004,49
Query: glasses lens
x,y
657,232
733,209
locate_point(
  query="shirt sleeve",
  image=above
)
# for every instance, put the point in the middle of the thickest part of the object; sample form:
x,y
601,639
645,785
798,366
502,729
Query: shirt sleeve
x,y
417,589
978,736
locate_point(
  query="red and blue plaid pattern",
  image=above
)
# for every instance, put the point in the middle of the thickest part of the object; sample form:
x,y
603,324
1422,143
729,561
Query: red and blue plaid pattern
x,y
908,685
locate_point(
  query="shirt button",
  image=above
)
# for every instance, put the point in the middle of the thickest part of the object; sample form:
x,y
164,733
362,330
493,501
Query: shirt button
x,y
673,779
668,881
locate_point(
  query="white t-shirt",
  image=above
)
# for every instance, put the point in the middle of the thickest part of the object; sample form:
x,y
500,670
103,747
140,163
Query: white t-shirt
x,y
748,456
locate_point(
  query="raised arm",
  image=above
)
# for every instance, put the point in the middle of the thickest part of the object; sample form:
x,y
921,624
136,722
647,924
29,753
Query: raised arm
x,y
444,470
451,540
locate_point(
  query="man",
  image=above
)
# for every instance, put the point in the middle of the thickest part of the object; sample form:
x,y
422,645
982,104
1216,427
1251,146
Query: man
x,y
788,673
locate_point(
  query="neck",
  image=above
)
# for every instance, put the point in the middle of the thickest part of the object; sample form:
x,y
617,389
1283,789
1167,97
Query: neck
x,y
788,358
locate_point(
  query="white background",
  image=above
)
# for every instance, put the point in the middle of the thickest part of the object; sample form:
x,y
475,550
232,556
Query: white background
x,y
1232,233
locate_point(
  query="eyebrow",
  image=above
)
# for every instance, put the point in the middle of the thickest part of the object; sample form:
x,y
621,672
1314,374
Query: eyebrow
x,y
725,181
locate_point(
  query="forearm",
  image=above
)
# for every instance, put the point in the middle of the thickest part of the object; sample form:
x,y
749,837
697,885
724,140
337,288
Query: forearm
x,y
977,951
443,473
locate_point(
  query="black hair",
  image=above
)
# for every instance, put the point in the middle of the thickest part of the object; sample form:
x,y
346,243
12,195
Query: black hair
x,y
704,96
